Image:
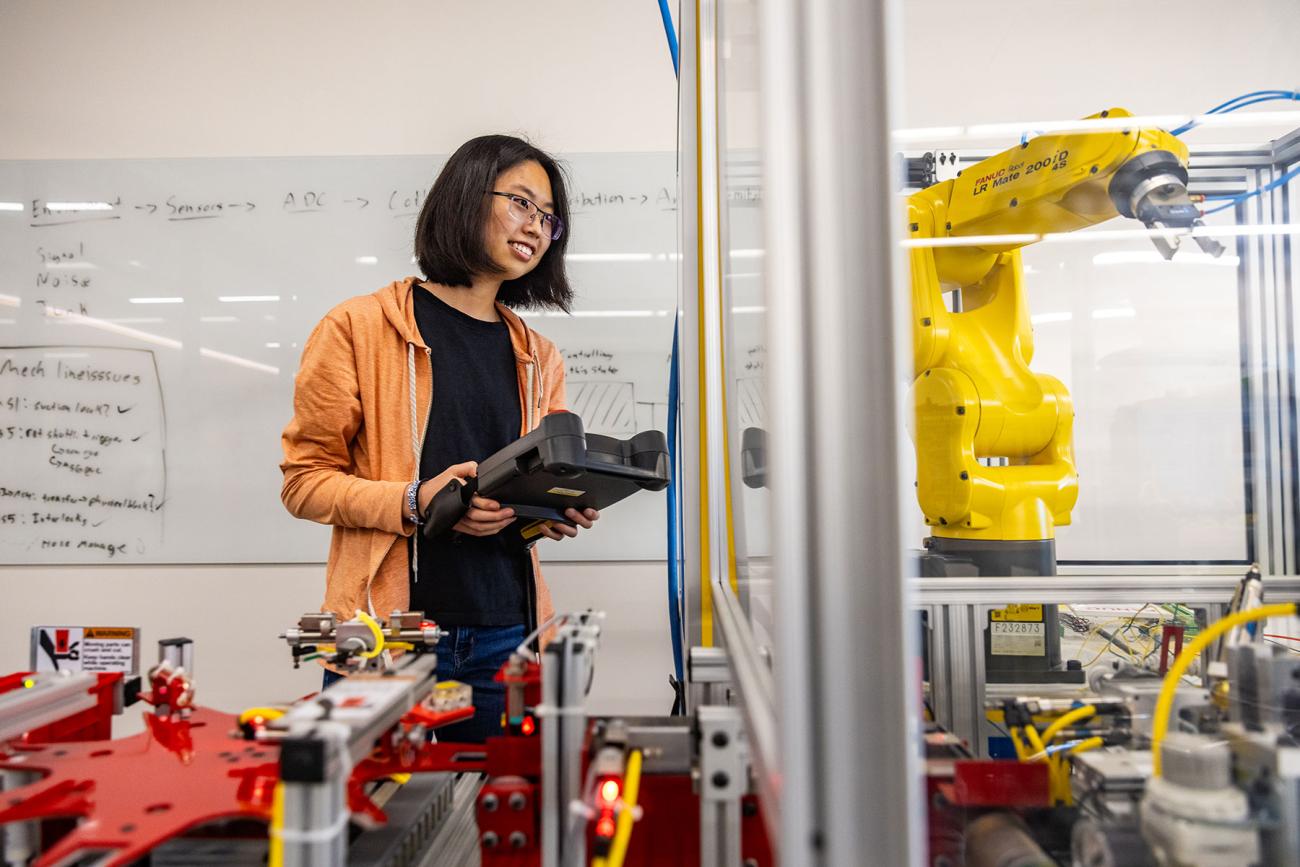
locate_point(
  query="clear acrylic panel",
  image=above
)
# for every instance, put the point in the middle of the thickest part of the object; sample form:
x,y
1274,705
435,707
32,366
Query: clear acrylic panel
x,y
745,310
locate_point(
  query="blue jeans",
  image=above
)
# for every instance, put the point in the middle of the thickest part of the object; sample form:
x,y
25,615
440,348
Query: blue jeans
x,y
473,655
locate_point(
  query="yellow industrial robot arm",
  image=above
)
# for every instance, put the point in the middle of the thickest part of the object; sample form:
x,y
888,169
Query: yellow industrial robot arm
x,y
975,396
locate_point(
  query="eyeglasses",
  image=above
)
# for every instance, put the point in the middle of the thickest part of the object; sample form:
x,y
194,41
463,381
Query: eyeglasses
x,y
524,210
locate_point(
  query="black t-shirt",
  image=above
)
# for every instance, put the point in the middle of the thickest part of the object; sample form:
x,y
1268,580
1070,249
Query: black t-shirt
x,y
468,580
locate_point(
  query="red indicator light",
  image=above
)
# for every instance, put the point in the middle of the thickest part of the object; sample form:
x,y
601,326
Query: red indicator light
x,y
528,726
609,791
605,827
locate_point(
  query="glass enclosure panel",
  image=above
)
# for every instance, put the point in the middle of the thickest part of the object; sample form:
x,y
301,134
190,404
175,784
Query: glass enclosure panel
x,y
745,309
1178,370
1151,352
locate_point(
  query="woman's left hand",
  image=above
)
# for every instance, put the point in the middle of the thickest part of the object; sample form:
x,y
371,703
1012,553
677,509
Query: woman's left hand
x,y
583,519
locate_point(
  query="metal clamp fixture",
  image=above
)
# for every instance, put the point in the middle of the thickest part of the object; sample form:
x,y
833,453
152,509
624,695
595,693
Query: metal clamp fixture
x,y
359,642
708,675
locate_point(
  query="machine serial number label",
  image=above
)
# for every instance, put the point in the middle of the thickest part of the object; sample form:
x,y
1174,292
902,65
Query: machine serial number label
x,y
566,492
1017,638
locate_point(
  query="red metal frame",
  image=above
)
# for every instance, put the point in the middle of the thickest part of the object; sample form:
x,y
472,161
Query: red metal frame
x,y
1000,783
132,794
194,766
92,724
959,788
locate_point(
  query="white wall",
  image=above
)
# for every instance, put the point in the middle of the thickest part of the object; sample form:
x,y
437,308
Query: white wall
x,y
178,78
182,78
992,61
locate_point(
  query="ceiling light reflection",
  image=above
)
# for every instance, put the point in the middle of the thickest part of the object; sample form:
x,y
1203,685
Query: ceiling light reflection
x,y
1153,257
929,133
69,317
972,241
238,361
636,314
636,257
1112,235
608,257
1254,118
1235,231
1015,129
1096,124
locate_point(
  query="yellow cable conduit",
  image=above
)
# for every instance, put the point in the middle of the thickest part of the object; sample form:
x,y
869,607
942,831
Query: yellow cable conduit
x,y
1165,703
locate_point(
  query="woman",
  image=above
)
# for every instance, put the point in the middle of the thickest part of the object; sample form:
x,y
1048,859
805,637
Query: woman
x,y
405,389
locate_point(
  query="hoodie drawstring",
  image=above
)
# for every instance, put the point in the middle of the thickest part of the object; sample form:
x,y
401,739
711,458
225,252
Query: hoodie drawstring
x,y
528,376
415,450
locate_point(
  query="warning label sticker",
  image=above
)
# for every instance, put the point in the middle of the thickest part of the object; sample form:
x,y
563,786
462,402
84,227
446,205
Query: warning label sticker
x,y
1015,638
85,648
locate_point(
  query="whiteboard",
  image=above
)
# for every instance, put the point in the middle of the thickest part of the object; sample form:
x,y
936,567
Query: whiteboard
x,y
152,314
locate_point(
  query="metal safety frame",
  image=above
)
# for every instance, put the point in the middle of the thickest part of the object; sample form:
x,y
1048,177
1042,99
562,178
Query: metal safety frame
x,y
723,779
1268,326
958,612
843,685
958,608
703,482
567,665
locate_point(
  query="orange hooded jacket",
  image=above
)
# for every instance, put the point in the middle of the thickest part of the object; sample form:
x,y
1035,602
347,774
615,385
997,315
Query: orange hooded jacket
x,y
360,405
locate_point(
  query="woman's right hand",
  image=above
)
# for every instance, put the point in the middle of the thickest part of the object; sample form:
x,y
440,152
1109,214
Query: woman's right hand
x,y
459,472
484,518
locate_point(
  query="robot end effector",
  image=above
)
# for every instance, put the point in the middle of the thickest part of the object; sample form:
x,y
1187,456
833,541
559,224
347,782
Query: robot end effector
x,y
1152,187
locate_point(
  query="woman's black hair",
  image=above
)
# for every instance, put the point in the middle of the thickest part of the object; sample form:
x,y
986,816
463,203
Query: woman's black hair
x,y
449,236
